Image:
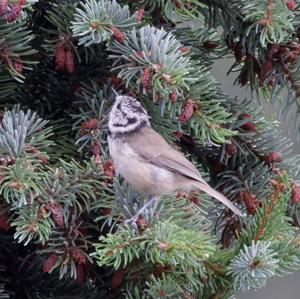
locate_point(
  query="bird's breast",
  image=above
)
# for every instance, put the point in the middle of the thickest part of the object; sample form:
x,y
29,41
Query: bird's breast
x,y
142,175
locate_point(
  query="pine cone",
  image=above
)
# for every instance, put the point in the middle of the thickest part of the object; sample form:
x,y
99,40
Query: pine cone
x,y
248,126
291,4
57,212
173,96
178,134
115,80
109,169
146,79
14,13
80,274
185,49
139,15
4,221
250,201
96,149
50,263
118,34
3,7
70,62
106,211
160,269
274,157
209,45
295,196
118,278
60,58
187,111
90,124
18,66
79,256
265,71
142,223
231,149
243,77
238,52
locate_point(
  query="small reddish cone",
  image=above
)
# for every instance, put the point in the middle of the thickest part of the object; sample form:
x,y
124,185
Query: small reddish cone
x,y
274,157
96,149
50,263
70,62
146,79
265,71
248,126
80,274
57,212
250,201
231,149
22,2
238,52
295,196
160,269
291,4
179,4
106,211
173,96
43,159
4,221
3,7
185,49
187,111
60,58
163,246
118,278
139,15
90,124
178,134
109,168
272,51
209,45
14,13
142,223
18,66
115,80
118,34
79,256
193,198
243,78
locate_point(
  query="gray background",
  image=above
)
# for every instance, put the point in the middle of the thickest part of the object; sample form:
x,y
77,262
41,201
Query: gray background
x,y
277,288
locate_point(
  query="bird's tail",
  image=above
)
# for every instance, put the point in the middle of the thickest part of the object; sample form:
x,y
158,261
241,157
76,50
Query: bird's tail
x,y
212,192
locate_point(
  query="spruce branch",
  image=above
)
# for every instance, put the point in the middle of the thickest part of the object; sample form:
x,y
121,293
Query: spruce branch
x,y
90,121
16,51
210,121
273,18
152,58
164,243
33,222
21,182
97,21
253,266
23,134
178,9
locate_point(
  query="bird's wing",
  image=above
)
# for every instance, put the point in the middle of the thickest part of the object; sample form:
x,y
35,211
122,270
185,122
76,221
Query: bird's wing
x,y
153,148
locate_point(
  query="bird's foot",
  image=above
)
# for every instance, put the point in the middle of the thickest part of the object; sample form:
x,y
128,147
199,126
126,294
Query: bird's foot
x,y
141,210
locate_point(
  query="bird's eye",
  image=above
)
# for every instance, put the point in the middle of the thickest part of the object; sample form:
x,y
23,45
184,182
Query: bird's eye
x,y
119,106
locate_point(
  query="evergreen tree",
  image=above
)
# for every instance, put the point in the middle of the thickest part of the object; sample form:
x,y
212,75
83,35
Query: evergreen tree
x,y
63,209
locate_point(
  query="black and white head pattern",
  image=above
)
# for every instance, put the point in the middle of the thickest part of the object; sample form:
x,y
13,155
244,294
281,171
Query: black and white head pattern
x,y
127,116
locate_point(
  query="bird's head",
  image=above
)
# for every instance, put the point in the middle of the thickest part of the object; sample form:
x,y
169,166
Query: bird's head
x,y
127,116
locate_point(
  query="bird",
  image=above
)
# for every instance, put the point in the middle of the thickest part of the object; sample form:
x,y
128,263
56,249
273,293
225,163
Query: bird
x,y
146,161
